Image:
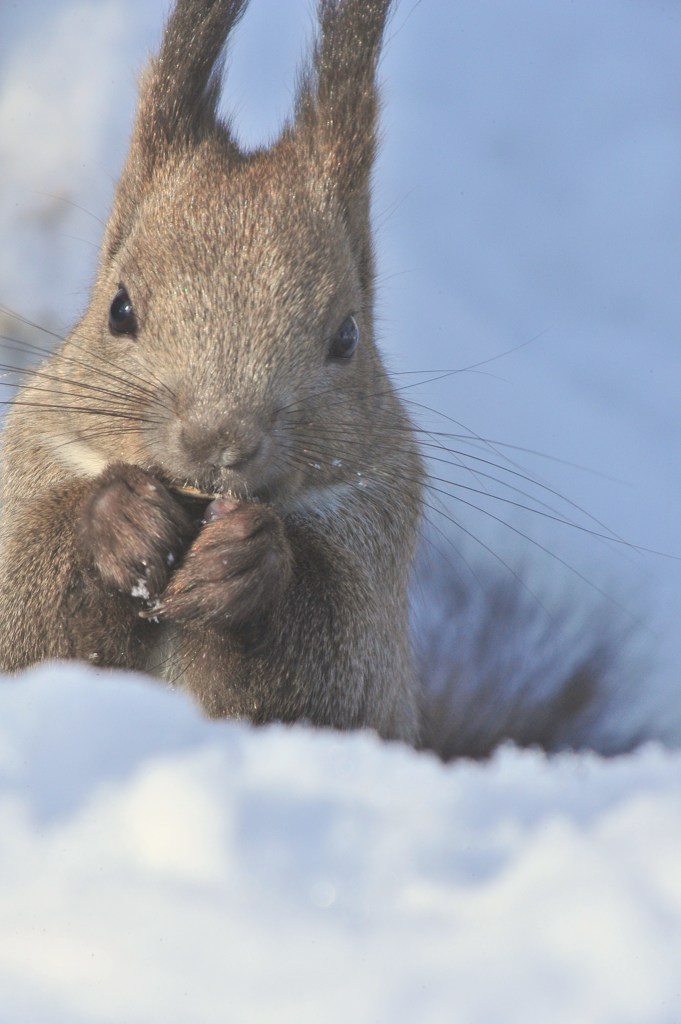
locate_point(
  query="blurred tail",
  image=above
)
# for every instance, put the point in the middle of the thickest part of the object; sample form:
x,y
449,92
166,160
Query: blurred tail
x,y
498,664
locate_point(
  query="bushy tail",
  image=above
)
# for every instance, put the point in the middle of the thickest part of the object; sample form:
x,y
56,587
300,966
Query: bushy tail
x,y
497,663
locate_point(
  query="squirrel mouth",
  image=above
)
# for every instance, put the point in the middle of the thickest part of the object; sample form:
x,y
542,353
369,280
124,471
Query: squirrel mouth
x,y
207,490
193,492
186,488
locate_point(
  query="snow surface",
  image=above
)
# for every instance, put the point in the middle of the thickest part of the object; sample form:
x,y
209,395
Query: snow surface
x,y
156,867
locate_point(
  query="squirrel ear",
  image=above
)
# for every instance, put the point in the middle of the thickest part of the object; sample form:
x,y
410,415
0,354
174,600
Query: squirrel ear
x,y
337,100
181,88
179,93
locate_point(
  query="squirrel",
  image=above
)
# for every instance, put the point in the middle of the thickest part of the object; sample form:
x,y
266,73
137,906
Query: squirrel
x,y
212,479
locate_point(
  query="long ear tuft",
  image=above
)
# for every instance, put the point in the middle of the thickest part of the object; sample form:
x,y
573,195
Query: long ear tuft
x,y
181,88
337,97
178,100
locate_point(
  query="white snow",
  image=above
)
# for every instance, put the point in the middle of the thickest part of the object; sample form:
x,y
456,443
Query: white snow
x,y
157,867
141,589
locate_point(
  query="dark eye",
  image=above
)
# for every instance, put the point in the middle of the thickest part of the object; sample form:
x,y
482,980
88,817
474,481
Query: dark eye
x,y
346,340
122,319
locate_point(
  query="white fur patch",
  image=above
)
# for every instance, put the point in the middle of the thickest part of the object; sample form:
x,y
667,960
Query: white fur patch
x,y
326,501
78,456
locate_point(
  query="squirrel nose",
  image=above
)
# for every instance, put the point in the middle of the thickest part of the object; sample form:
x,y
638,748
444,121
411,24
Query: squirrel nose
x,y
234,457
228,443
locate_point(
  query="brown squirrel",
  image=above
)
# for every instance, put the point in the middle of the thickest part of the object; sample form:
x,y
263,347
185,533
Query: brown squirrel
x,y
213,479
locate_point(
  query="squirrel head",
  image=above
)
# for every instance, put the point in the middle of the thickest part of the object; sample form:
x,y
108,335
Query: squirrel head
x,y
229,340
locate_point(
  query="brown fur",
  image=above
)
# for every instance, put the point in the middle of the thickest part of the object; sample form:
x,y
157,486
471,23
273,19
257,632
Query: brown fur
x,y
287,599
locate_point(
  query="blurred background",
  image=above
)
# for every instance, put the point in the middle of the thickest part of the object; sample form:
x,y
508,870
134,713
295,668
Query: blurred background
x,y
528,213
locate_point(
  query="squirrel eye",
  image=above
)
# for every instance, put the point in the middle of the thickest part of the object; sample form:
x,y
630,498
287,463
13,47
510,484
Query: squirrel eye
x,y
346,340
122,319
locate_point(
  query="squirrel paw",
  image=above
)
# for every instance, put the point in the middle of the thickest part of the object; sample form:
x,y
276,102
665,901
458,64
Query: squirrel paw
x,y
133,531
236,570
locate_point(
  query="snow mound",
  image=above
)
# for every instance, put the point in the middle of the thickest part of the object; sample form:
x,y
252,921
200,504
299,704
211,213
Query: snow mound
x,y
156,866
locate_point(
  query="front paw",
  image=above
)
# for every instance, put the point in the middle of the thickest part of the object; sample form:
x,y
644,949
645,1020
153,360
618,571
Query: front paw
x,y
133,531
235,572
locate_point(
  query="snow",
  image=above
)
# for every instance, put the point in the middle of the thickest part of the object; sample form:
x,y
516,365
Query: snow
x,y
140,589
155,866
159,867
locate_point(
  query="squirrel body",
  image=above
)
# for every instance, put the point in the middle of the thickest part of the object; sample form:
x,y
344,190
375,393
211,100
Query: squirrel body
x,y
212,478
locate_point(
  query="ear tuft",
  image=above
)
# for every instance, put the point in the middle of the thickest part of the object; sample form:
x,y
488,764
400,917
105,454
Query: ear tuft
x,y
179,94
338,97
181,88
